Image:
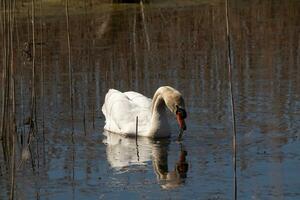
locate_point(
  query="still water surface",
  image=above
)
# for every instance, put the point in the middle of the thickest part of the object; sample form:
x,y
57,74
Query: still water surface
x,y
180,44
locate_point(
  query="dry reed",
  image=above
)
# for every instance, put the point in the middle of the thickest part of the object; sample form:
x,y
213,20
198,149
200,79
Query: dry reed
x,y
145,25
71,95
230,67
136,138
8,109
135,51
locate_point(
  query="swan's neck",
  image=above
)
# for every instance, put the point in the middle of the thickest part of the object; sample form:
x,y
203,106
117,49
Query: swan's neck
x,y
159,122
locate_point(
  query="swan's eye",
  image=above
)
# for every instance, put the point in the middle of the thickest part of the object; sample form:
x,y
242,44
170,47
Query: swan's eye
x,y
177,109
181,111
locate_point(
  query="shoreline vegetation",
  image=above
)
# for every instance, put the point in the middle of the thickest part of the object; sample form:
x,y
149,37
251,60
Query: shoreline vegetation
x,y
56,8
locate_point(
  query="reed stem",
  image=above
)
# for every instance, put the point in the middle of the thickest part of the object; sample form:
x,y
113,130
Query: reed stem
x,y
144,25
33,91
230,67
135,52
70,66
136,138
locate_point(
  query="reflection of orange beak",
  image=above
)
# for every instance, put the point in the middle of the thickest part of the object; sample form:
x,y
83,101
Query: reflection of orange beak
x,y
180,121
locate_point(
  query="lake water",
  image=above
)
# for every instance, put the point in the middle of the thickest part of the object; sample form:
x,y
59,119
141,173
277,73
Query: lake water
x,y
176,43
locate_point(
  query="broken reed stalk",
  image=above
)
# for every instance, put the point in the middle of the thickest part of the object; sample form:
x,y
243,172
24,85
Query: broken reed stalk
x,y
234,149
70,67
136,127
136,138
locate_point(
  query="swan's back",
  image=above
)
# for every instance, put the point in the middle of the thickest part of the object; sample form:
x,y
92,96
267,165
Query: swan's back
x,y
121,109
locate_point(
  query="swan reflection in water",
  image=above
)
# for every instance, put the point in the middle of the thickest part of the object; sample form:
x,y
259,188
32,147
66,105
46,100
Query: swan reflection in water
x,y
123,152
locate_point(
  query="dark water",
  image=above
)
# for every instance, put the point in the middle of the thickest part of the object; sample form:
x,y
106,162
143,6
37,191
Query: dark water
x,y
181,44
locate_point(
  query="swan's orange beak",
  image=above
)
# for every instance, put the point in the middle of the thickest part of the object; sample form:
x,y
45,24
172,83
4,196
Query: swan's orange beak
x,y
180,120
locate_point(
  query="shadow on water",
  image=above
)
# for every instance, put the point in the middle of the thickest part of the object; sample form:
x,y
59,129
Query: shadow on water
x,y
127,47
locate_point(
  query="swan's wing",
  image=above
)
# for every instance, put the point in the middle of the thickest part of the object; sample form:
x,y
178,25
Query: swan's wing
x,y
139,99
121,109
115,104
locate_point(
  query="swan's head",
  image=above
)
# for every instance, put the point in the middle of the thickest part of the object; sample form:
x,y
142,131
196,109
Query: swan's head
x,y
174,101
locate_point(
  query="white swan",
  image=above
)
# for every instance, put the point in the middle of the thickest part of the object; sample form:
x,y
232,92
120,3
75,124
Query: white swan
x,y
122,109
